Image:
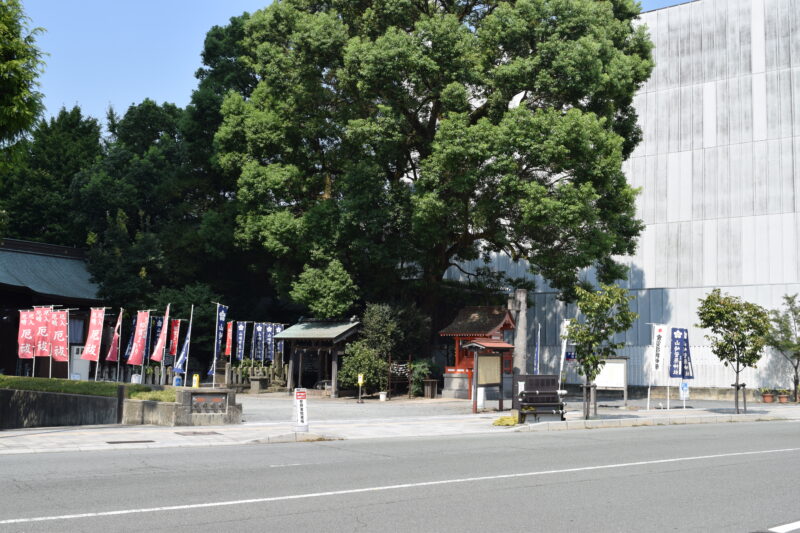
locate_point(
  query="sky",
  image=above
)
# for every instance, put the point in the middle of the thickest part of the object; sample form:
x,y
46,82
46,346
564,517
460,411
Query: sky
x,y
103,53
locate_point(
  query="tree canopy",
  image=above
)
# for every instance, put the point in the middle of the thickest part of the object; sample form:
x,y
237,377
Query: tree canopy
x,y
784,336
20,65
401,137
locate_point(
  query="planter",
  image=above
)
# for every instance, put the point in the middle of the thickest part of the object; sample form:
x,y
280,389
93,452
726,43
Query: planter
x,y
783,398
382,396
767,397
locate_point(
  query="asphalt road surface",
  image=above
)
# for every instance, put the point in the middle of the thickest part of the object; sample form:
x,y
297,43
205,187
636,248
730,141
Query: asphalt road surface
x,y
719,477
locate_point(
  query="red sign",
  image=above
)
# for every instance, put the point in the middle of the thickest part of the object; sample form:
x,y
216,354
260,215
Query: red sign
x,y
229,340
25,336
41,335
174,334
300,395
91,350
59,336
161,344
139,338
113,350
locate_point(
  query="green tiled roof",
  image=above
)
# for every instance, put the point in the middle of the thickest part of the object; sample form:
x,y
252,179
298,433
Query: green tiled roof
x,y
65,277
319,331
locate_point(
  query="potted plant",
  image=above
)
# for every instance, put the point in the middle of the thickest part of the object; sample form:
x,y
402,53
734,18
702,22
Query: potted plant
x,y
783,396
767,395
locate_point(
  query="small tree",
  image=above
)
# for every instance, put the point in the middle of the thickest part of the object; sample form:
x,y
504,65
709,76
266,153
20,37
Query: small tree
x,y
739,331
784,336
361,359
605,313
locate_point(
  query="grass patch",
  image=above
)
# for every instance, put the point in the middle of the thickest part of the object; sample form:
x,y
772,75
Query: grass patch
x,y
168,395
67,386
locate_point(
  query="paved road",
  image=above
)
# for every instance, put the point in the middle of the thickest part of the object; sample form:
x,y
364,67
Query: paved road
x,y
718,477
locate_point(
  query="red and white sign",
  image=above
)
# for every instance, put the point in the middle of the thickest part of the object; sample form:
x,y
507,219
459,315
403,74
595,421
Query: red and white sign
x,y
300,394
113,350
59,336
91,350
25,336
139,338
174,335
300,409
41,334
161,344
229,340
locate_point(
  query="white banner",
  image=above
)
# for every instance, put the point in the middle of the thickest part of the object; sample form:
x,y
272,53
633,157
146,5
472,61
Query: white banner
x,y
661,344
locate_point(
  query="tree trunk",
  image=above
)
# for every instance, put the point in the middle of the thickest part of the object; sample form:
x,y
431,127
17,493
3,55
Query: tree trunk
x,y
796,381
736,391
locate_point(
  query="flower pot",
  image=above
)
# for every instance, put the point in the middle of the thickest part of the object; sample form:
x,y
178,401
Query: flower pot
x,y
382,396
767,397
783,398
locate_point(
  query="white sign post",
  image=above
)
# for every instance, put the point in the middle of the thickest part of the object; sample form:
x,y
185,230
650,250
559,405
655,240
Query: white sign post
x,y
684,392
661,345
300,411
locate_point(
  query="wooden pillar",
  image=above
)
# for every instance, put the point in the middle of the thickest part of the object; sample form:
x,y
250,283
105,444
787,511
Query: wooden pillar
x,y
334,373
290,377
458,351
300,369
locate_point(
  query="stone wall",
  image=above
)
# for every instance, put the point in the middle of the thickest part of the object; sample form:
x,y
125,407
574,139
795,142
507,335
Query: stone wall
x,y
27,409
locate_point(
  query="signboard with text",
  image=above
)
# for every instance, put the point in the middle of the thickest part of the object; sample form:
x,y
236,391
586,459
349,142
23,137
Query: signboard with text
x,y
300,410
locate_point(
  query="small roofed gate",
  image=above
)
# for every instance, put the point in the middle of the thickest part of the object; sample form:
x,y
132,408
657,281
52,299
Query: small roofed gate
x,y
478,323
322,340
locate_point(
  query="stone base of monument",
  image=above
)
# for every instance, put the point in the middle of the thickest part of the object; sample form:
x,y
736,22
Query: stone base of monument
x,y
194,407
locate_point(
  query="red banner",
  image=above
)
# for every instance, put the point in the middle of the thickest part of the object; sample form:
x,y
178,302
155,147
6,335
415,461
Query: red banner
x,y
91,350
174,335
139,338
41,335
158,351
59,336
113,350
229,341
25,336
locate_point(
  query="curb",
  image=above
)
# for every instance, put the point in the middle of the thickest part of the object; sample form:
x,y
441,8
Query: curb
x,y
652,421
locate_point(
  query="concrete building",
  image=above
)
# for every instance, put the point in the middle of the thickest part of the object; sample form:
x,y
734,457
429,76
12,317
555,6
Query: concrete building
x,y
719,169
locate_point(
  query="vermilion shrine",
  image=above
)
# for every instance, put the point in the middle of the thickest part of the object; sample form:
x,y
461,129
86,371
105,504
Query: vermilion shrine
x,y
476,330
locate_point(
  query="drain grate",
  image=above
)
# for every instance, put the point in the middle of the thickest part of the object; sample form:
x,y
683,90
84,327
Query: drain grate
x,y
128,441
196,433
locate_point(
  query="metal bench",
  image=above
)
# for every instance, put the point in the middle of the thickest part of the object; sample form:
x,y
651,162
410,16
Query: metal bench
x,y
540,395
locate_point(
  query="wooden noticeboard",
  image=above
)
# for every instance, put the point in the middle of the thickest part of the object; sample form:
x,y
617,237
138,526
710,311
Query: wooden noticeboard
x,y
489,370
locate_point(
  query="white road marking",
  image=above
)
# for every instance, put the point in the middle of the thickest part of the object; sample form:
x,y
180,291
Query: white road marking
x,y
391,487
786,528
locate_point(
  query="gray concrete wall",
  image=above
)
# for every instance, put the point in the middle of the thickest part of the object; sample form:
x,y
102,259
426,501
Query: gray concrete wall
x,y
719,169
19,409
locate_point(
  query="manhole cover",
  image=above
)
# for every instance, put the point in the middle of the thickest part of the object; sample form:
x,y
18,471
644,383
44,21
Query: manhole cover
x,y
195,433
128,441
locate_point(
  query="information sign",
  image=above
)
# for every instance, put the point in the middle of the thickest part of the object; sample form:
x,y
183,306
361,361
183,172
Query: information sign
x,y
300,410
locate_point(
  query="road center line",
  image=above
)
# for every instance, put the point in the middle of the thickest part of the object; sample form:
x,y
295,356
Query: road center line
x,y
786,528
393,487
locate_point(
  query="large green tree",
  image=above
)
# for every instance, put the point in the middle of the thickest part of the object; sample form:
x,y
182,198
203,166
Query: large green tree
x,y
402,137
739,331
20,66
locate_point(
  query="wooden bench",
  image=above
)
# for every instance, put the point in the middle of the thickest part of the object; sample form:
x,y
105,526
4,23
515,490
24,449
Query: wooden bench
x,y
540,396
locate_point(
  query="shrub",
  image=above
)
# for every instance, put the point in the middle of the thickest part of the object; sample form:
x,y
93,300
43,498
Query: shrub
x,y
361,359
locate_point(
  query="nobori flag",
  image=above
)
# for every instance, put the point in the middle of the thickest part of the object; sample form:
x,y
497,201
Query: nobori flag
x,y
41,335
241,330
59,336
25,336
91,350
222,312
161,343
139,338
680,365
661,342
113,350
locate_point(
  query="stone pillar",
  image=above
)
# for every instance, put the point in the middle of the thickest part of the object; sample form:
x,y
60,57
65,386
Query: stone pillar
x,y
334,374
520,305
292,366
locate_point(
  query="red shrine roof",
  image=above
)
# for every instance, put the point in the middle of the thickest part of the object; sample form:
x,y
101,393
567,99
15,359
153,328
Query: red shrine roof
x,y
479,321
488,344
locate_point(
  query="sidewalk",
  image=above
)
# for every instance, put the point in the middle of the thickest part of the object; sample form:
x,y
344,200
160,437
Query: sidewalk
x,y
268,419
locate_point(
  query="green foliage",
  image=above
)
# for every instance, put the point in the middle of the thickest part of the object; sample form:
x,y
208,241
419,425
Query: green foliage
x,y
385,135
328,291
739,330
89,388
166,395
511,420
420,371
606,313
361,359
784,335
20,66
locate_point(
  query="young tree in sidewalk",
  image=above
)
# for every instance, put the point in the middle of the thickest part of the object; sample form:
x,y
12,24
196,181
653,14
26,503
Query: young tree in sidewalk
x,y
739,331
605,313
784,336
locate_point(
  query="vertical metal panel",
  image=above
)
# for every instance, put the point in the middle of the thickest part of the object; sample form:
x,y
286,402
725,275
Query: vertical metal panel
x,y
760,178
748,251
709,115
771,34
783,59
710,184
794,32
723,113
785,109
687,197
697,184
757,35
661,189
773,176
697,117
710,257
685,111
735,180
723,182
674,113
684,255
773,105
674,195
795,108
746,108
759,106
787,176
649,215
735,115
788,248
747,184
697,253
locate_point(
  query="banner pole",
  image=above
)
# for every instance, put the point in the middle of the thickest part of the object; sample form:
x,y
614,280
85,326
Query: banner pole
x,y
188,347
214,364
119,342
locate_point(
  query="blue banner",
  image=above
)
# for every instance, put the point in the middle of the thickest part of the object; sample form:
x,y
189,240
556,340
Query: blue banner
x,y
270,331
680,361
241,332
222,313
130,339
184,353
279,347
258,340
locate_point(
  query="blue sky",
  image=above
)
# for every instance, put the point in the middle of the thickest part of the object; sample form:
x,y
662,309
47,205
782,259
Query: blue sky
x,y
119,52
